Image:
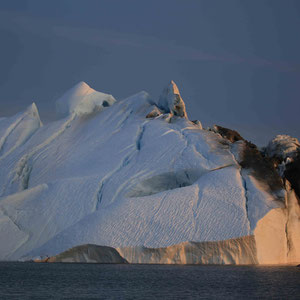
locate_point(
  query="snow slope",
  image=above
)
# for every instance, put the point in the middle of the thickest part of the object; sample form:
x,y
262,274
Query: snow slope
x,y
107,175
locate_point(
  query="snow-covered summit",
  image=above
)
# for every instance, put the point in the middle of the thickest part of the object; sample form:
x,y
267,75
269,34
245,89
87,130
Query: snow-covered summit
x,y
82,99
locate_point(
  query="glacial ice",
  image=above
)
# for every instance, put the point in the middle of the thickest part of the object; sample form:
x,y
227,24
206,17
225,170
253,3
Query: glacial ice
x,y
170,101
283,146
87,254
82,99
17,130
113,177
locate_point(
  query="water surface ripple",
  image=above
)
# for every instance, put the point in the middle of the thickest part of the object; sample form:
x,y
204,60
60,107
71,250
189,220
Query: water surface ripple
x,y
96,281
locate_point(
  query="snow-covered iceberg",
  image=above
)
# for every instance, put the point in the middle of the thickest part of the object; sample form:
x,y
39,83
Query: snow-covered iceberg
x,y
138,176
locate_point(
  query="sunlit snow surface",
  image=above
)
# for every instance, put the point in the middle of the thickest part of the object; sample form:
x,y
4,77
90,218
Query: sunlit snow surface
x,y
118,179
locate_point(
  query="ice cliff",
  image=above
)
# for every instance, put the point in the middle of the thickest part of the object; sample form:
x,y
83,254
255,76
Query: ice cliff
x,y
138,176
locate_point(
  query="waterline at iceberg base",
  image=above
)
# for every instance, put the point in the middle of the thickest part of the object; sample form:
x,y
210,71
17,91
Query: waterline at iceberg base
x,y
135,181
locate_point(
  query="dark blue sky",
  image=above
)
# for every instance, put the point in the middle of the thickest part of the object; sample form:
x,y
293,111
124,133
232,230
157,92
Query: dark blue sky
x,y
237,63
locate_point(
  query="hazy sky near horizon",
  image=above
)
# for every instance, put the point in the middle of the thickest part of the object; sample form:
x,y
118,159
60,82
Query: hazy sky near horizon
x,y
236,63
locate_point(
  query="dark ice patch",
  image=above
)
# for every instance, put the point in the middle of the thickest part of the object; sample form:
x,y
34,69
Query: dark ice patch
x,y
229,134
292,174
262,167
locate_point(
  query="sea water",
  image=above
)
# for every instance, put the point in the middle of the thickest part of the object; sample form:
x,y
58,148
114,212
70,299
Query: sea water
x,y
104,281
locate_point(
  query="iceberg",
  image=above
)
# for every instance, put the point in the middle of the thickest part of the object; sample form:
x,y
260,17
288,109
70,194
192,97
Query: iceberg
x,y
139,177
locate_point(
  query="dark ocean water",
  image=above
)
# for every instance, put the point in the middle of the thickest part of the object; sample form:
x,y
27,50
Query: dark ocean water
x,y
96,281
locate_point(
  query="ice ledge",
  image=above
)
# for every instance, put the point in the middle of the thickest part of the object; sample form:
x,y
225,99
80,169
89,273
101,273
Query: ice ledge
x,y
239,251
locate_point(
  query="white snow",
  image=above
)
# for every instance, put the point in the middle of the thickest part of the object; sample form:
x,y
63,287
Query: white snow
x,y
82,99
117,178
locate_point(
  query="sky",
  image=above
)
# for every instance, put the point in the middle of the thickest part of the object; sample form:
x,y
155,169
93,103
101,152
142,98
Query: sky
x,y
236,63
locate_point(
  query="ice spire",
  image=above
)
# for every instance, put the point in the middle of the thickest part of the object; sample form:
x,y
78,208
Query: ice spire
x,y
170,101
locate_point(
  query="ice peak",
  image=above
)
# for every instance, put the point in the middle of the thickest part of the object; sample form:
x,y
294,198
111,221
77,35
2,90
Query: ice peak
x,y
33,112
32,107
79,89
170,101
82,99
81,84
174,87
